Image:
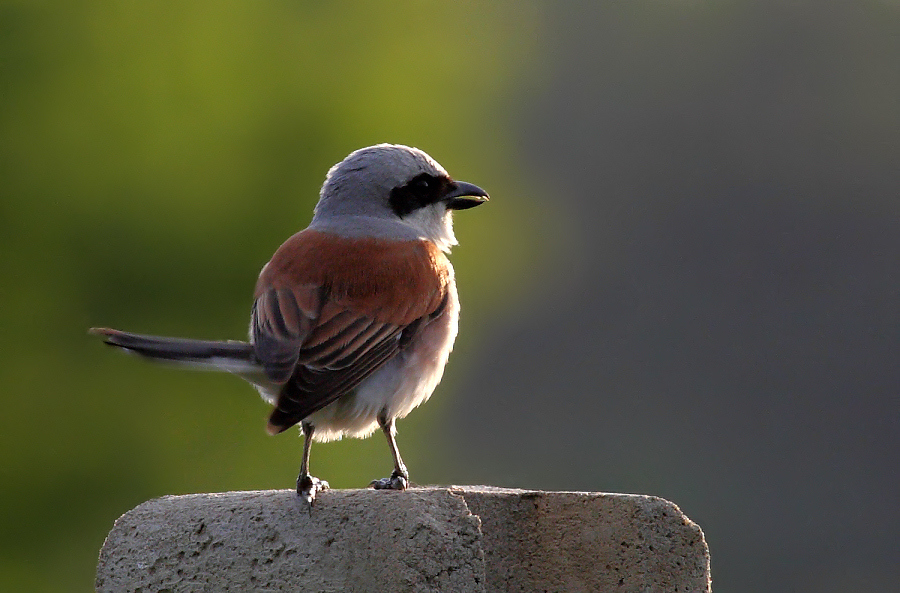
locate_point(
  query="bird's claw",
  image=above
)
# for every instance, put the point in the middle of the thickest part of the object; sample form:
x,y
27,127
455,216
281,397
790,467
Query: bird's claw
x,y
308,487
395,482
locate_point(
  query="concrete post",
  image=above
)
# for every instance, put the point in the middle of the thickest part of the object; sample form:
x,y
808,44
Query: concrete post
x,y
447,539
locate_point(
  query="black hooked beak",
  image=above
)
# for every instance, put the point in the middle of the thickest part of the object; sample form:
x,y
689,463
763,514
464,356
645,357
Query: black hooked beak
x,y
462,195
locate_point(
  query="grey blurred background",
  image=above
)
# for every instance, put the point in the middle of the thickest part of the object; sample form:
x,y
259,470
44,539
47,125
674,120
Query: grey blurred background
x,y
723,326
686,284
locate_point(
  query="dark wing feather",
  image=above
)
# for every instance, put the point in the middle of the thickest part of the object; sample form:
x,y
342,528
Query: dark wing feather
x,y
330,359
321,324
340,365
311,389
281,321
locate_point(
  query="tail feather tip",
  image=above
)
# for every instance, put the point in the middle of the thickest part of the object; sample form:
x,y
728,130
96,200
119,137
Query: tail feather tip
x,y
106,334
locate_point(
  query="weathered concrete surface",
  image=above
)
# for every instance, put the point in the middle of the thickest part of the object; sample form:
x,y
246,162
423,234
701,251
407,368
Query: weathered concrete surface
x,y
354,540
461,538
587,541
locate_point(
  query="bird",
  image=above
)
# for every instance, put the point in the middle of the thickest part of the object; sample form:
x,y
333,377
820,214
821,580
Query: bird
x,y
354,317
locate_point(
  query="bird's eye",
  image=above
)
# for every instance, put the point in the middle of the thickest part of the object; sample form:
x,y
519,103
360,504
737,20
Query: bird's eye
x,y
418,192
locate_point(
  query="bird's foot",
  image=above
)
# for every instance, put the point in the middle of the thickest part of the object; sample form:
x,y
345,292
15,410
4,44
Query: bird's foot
x,y
397,481
308,487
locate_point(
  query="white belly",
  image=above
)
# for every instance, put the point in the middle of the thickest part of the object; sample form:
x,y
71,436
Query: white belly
x,y
402,384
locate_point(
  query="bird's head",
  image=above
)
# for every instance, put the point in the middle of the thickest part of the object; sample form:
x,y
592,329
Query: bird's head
x,y
393,191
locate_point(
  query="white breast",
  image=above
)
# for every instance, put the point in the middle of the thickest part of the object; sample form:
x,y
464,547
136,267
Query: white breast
x,y
398,387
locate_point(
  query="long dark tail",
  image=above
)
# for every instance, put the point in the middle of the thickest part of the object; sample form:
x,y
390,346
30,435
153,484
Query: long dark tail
x,y
235,357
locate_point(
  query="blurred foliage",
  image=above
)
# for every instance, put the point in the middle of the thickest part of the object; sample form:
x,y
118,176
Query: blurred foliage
x,y
152,157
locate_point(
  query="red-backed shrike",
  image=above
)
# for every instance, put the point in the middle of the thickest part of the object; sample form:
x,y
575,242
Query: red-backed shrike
x,y
353,318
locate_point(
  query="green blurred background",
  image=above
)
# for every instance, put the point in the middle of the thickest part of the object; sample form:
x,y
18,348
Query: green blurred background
x,y
687,282
154,155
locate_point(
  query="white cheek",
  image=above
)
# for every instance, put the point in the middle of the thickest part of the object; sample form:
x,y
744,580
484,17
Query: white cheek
x,y
434,223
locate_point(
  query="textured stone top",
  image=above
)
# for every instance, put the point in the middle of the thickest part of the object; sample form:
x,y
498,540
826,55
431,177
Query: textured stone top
x,y
458,538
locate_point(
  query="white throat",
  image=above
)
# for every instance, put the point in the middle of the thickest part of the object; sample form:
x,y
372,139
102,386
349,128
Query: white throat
x,y
432,223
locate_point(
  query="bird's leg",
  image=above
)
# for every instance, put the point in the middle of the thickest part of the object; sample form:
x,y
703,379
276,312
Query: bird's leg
x,y
399,479
308,486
